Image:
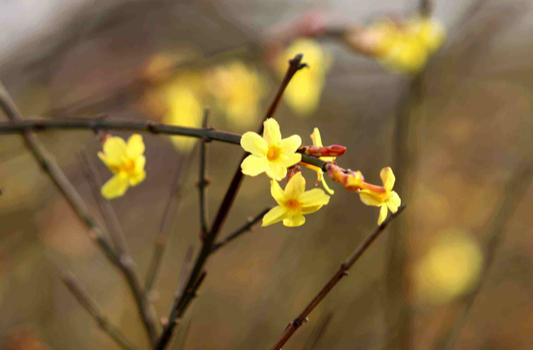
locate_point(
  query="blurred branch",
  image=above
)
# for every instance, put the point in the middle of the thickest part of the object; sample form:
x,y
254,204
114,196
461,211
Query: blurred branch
x,y
90,305
180,177
318,332
208,241
203,182
249,226
514,192
125,262
343,271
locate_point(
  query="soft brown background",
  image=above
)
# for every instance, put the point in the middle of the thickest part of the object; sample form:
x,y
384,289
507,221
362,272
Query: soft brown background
x,y
475,126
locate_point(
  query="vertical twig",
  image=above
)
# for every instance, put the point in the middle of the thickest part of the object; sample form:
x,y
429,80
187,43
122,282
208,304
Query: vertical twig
x,y
208,242
203,182
125,261
92,308
343,271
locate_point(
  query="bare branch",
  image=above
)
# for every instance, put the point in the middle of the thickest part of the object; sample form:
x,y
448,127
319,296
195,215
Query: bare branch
x,y
343,271
203,182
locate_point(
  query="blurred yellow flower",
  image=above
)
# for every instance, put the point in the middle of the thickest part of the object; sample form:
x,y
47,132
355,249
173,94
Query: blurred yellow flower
x,y
270,153
450,268
317,141
238,91
294,202
304,91
385,198
126,161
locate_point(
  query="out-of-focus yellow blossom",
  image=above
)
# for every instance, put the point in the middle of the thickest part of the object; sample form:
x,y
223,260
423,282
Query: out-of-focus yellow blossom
x,y
270,153
294,202
238,90
317,141
304,91
385,197
126,161
450,268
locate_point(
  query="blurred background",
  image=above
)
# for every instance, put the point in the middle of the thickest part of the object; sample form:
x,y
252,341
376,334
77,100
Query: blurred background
x,y
454,271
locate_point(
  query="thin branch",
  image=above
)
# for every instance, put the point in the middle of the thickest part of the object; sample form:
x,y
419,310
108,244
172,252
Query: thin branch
x,y
514,192
343,271
180,177
318,332
125,261
92,308
208,242
203,182
248,226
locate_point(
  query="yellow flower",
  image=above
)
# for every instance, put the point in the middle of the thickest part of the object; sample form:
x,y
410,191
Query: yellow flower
x,y
317,141
294,202
304,91
126,161
238,90
270,153
384,198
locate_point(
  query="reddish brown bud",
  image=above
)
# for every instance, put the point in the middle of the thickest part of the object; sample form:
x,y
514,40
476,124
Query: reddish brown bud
x,y
327,151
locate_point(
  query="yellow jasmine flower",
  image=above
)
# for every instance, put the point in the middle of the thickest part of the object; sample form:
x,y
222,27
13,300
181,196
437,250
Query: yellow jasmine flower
x,y
382,197
238,90
270,153
294,202
317,142
304,91
126,161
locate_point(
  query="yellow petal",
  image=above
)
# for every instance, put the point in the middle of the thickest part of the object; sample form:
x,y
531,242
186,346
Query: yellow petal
x,y
254,165
115,187
137,178
295,187
291,144
276,171
271,133
275,214
115,151
382,214
313,197
139,164
288,160
277,192
294,220
394,202
253,143
315,136
310,209
135,146
387,176
370,198
326,187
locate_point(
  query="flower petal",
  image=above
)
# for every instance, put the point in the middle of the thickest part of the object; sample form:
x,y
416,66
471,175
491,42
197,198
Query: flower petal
x,y
253,143
271,133
382,214
325,184
313,197
139,164
115,151
370,198
115,187
315,136
310,209
135,146
295,187
294,220
394,202
276,171
275,214
291,144
136,179
388,178
254,165
288,160
277,192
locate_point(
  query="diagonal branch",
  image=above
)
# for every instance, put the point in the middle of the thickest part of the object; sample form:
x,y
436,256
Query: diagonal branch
x,y
65,186
249,226
90,305
343,271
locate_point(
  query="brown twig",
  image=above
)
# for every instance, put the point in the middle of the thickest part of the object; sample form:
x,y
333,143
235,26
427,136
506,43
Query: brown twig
x,y
202,180
125,262
249,226
208,242
92,308
343,271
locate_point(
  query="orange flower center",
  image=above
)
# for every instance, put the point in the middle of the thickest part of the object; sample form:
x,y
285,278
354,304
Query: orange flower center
x,y
293,204
128,166
273,153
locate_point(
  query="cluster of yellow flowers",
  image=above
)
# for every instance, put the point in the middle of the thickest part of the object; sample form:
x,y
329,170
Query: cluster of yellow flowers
x,y
272,155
